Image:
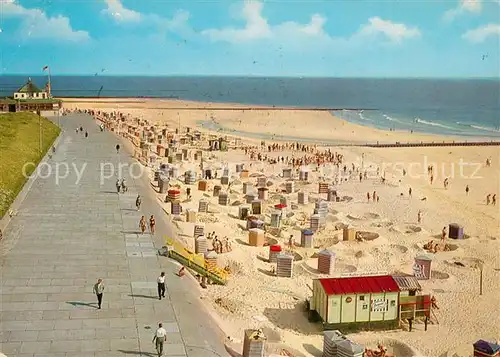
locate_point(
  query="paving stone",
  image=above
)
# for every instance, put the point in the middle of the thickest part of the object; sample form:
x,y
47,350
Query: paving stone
x,y
32,347
40,325
23,336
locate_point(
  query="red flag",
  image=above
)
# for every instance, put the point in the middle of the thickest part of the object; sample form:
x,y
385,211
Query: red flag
x,y
45,68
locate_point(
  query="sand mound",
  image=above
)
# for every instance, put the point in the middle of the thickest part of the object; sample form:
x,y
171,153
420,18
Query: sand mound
x,y
451,247
382,224
227,304
394,346
407,229
340,225
355,217
325,242
412,229
345,268
370,215
466,262
359,254
270,241
331,218
272,349
436,274
399,248
367,235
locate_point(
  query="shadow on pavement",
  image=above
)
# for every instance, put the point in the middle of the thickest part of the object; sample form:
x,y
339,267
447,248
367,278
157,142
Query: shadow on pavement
x,y
81,303
138,353
143,296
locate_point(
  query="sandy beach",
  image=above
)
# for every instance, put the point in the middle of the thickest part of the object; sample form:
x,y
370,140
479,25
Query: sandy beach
x,y
255,298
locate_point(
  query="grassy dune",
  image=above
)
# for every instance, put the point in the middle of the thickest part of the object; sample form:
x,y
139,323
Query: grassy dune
x,y
19,144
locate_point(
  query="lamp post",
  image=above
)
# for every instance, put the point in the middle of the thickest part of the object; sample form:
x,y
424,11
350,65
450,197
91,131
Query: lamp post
x,y
40,132
480,278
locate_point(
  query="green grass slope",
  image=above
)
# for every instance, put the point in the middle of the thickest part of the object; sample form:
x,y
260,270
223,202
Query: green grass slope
x,y
19,144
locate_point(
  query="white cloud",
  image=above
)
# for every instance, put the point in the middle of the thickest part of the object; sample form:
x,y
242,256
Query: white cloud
x,y
395,32
37,25
480,34
464,6
120,13
178,23
257,27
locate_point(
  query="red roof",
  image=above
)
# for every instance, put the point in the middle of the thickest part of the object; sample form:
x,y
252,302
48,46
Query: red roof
x,y
359,285
280,206
275,248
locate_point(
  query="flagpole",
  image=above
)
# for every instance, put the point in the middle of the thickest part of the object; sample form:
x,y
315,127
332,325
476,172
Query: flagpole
x,y
50,84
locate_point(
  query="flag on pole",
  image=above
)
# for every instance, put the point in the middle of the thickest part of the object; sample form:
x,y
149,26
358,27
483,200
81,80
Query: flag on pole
x,y
45,68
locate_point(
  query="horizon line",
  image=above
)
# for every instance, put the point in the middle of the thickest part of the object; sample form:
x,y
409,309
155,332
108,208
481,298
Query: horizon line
x,y
241,76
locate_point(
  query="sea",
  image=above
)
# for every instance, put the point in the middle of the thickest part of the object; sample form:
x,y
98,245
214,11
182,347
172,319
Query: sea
x,y
469,107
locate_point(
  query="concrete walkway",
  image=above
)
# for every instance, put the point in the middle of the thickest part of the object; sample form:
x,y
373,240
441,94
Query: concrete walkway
x,y
67,234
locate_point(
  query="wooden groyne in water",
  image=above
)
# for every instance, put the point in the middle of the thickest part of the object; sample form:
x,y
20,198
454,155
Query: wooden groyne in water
x,y
434,144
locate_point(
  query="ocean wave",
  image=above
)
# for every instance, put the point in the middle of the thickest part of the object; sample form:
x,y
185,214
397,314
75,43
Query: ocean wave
x,y
485,128
362,117
425,122
392,119
479,127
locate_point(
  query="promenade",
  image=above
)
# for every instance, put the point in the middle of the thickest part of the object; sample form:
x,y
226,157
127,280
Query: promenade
x,y
66,235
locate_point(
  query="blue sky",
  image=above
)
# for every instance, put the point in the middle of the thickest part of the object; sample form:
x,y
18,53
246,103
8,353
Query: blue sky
x,y
329,38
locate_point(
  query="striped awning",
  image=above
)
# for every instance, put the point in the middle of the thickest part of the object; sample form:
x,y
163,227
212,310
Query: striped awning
x,y
407,282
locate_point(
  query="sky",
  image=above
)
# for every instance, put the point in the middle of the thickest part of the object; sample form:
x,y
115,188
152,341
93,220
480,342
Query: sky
x,y
307,38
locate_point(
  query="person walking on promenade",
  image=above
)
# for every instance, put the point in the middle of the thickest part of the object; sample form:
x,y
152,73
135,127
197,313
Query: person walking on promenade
x,y
152,224
117,148
138,202
124,186
142,224
118,185
161,285
494,199
99,290
467,190
159,339
86,134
